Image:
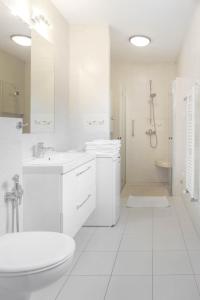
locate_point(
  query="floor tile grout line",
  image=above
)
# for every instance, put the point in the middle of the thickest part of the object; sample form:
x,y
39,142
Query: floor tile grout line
x,y
81,252
123,251
178,214
90,238
154,250
117,252
187,250
70,273
134,275
190,218
62,287
173,275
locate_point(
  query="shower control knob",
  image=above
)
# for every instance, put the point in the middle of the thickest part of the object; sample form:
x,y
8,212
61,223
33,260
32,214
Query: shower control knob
x,y
150,132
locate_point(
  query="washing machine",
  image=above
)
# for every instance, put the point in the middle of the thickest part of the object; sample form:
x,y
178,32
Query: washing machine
x,y
107,210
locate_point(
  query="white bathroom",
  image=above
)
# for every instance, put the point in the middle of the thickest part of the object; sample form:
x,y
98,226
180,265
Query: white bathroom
x,y
99,150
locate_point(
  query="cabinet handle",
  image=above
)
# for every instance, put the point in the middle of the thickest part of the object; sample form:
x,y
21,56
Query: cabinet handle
x,y
80,205
80,173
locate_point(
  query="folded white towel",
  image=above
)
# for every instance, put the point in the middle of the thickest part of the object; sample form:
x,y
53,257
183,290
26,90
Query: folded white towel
x,y
104,142
103,153
102,147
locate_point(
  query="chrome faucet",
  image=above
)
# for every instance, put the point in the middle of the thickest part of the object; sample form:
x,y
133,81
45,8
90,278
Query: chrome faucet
x,y
15,197
41,150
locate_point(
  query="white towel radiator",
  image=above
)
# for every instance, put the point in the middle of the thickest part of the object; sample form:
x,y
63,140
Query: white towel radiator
x,y
192,142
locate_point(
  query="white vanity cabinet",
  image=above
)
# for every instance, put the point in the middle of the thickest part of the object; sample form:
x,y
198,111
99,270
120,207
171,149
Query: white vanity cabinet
x,y
59,198
79,197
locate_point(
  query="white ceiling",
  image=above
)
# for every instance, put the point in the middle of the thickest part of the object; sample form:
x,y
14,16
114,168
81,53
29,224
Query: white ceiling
x,y
165,21
9,25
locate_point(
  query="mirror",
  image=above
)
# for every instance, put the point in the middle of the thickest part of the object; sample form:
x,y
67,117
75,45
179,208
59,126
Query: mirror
x,y
42,84
26,75
14,66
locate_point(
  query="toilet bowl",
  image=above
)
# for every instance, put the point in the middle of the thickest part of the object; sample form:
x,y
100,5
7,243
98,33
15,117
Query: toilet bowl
x,y
29,261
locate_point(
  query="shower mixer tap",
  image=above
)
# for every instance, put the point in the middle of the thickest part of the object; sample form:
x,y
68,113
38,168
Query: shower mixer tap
x,y
150,132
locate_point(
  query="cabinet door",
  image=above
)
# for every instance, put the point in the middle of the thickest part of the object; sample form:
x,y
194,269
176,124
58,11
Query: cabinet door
x,y
69,199
86,194
79,196
42,202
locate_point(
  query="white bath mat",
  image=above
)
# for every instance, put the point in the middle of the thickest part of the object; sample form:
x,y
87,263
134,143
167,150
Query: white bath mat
x,y
147,201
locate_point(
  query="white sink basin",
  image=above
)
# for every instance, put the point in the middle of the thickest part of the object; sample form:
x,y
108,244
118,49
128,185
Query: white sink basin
x,y
59,162
58,158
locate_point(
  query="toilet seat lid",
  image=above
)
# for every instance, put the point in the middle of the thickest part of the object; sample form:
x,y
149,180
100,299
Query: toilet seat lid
x,y
31,251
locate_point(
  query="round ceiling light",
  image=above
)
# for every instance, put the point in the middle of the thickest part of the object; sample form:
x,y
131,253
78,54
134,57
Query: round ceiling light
x,y
22,40
140,40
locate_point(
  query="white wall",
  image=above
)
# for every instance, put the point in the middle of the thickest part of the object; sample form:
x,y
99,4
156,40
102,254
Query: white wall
x,y
89,83
188,73
12,146
189,59
82,83
59,35
10,164
135,79
89,93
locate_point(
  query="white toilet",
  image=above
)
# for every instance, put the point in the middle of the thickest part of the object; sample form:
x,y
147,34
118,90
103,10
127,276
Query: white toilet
x,y
30,261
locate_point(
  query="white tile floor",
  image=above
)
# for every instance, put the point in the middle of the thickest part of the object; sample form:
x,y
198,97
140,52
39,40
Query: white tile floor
x,y
152,254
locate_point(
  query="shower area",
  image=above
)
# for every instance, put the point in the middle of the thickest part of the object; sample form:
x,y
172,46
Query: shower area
x,y
148,123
